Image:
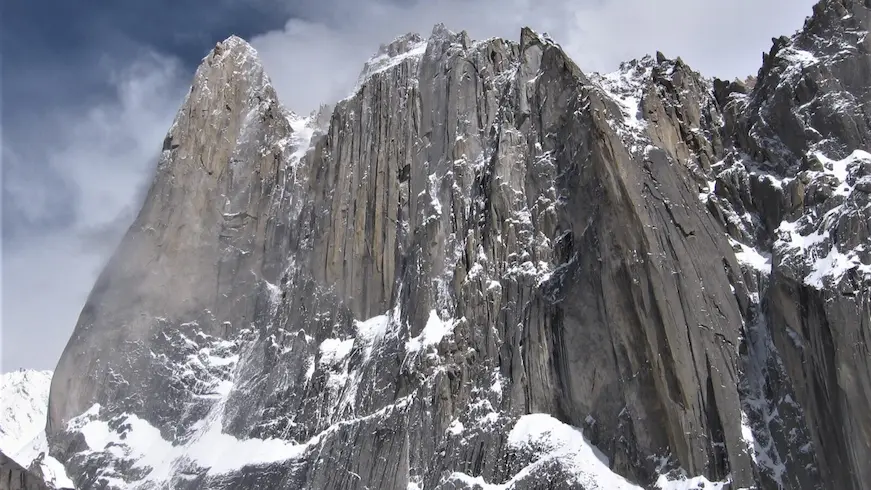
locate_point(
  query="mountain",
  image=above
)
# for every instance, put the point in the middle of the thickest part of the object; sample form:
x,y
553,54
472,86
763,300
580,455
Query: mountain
x,y
23,445
486,269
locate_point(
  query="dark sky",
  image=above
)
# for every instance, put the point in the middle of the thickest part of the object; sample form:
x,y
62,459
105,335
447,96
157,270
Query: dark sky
x,y
90,87
62,59
60,54
66,42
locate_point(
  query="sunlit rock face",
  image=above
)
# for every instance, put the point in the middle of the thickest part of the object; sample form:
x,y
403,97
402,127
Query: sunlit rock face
x,y
486,269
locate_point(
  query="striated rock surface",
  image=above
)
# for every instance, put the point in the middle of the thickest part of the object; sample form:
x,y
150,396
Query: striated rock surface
x,y
487,269
795,183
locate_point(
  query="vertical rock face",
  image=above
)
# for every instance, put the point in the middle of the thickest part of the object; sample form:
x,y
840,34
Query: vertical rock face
x,y
802,188
486,269
201,247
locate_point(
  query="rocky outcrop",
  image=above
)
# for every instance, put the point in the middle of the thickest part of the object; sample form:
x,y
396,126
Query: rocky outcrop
x,y
805,125
201,247
47,472
14,477
486,268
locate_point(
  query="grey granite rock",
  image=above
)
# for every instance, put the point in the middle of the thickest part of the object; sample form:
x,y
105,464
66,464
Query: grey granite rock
x,y
804,120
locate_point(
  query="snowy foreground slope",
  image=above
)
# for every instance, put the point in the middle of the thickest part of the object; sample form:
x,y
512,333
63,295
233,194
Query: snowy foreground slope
x,y
24,405
486,269
24,395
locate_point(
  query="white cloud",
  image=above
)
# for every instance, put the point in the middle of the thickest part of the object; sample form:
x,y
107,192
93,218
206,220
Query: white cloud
x,y
78,180
75,182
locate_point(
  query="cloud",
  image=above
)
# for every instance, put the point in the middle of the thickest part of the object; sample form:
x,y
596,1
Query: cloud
x,y
318,59
72,185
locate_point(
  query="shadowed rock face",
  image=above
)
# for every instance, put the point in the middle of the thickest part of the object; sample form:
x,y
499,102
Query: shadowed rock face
x,y
375,296
14,477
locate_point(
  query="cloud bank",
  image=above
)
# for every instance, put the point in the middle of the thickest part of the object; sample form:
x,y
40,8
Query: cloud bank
x,y
71,186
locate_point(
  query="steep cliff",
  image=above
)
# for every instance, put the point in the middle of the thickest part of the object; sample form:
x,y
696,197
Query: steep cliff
x,y
486,269
798,182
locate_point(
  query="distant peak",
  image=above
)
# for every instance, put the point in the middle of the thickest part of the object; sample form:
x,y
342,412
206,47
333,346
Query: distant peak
x,y
400,45
234,58
529,37
440,31
232,41
841,8
834,25
233,45
407,46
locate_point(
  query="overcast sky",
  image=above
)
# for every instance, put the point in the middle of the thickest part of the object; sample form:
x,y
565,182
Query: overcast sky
x,y
89,89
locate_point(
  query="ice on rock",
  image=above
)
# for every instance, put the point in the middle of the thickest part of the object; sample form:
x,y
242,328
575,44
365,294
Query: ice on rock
x,y
809,242
404,48
516,242
625,86
435,330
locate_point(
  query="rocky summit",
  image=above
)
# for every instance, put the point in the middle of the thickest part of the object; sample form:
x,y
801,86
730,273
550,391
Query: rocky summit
x,y
486,269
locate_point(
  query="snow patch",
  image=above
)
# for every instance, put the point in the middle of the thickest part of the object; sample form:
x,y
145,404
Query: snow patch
x,y
24,395
456,428
625,87
833,267
373,328
552,440
435,330
751,257
141,443
384,61
810,243
686,483
334,351
300,140
53,472
36,451
799,56
708,191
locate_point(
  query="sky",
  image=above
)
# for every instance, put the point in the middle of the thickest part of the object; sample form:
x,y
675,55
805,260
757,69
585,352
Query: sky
x,y
88,89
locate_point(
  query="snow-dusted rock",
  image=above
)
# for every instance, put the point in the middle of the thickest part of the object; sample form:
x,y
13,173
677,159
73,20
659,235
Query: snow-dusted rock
x,y
486,269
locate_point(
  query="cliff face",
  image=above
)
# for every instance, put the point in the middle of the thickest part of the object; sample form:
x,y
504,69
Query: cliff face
x,y
486,269
808,121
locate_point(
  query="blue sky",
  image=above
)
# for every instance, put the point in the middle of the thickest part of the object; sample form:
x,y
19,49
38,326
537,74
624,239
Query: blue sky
x,y
70,56
89,89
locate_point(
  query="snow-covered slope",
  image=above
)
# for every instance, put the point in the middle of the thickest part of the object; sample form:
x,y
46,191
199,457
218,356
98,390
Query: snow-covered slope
x,y
24,396
24,401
